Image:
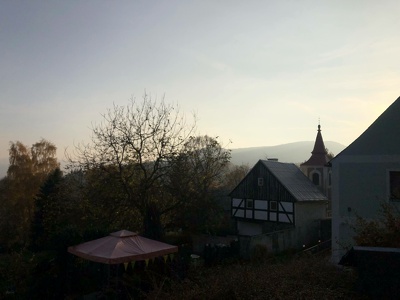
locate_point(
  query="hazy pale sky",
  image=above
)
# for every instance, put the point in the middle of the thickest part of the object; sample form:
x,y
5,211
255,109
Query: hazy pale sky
x,y
258,73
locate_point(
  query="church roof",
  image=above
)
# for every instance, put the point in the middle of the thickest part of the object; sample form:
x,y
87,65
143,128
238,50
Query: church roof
x,y
318,155
382,137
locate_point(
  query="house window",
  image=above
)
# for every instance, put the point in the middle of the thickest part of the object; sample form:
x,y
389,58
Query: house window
x,y
273,205
260,181
249,203
394,181
315,178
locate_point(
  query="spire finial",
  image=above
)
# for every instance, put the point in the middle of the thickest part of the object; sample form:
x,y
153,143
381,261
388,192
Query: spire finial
x,y
319,124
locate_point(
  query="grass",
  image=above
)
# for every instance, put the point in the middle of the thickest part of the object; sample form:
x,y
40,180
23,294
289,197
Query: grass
x,y
295,277
288,276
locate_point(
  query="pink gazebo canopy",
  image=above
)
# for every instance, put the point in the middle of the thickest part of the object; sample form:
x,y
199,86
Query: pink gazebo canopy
x,y
120,247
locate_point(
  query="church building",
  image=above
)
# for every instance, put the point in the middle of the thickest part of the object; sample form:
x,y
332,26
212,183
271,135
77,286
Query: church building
x,y
316,167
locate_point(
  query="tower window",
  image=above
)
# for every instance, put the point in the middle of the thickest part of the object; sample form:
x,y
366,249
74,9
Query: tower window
x,y
315,178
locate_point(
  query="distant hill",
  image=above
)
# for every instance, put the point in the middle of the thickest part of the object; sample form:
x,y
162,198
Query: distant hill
x,y
297,152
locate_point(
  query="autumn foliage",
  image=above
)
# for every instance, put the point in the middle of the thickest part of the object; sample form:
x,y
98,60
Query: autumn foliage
x,y
382,232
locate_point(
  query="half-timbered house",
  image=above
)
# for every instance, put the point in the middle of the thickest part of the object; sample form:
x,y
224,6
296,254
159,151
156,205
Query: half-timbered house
x,y
277,197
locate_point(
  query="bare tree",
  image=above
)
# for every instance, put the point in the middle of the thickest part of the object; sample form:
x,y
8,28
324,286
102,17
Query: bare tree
x,y
235,175
329,154
136,144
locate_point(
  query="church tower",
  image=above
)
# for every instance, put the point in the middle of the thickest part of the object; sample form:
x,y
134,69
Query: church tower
x,y
316,167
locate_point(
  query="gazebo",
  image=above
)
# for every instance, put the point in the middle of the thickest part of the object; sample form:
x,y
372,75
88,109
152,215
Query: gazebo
x,y
121,247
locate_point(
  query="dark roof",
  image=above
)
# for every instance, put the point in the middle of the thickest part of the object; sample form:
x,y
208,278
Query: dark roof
x,y
291,177
360,255
381,137
319,155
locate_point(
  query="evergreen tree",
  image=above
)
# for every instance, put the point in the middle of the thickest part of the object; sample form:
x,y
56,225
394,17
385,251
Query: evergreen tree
x,y
48,192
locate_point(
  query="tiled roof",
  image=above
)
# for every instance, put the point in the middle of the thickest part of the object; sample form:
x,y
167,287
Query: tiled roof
x,y
291,177
318,155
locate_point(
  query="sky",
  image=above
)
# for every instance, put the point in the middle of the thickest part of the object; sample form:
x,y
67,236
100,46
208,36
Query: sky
x,y
256,73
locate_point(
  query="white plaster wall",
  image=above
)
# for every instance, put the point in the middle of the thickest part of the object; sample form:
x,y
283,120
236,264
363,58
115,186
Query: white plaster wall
x,y
308,216
276,242
359,185
248,228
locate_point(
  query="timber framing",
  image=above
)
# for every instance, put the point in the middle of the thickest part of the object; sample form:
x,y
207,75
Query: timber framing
x,y
273,189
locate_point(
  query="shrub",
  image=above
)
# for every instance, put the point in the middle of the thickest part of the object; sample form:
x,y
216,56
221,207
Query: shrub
x,y
382,232
259,253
